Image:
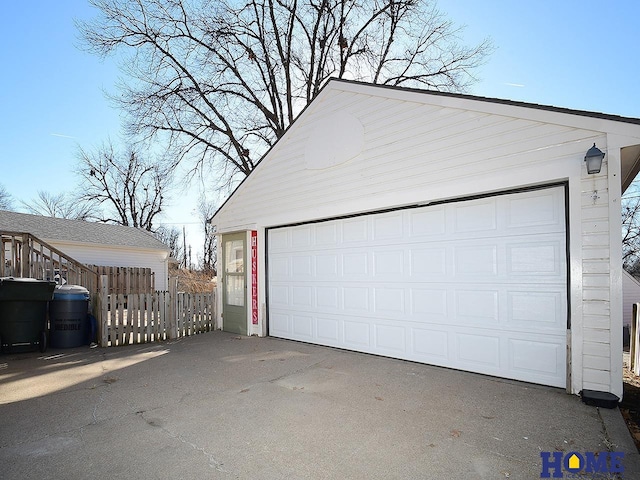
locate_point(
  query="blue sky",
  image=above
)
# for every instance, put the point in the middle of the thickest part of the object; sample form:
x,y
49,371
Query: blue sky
x,y
576,54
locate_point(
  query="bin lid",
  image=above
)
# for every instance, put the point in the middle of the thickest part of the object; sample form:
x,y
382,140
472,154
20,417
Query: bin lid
x,y
70,292
23,280
25,289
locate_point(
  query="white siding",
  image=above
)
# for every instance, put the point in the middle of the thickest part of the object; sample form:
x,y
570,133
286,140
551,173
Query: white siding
x,y
413,153
596,280
156,260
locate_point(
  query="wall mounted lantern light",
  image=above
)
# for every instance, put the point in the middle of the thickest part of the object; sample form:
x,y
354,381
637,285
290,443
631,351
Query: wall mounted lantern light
x,y
594,158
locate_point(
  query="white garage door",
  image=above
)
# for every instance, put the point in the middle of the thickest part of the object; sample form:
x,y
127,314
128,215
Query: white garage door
x,y
477,285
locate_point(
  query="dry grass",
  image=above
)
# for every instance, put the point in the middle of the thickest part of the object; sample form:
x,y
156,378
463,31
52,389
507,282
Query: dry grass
x,y
192,281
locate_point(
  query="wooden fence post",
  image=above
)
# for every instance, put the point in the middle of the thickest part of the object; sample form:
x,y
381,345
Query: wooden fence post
x,y
24,257
213,314
103,310
172,307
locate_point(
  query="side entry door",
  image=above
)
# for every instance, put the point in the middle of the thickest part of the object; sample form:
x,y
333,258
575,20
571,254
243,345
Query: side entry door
x,y
234,279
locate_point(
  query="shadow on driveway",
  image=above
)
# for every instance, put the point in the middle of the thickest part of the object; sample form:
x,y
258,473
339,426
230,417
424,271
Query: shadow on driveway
x,y
221,406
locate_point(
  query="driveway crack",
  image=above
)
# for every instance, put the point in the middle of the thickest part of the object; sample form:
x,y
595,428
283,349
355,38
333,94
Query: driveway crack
x,y
213,462
295,372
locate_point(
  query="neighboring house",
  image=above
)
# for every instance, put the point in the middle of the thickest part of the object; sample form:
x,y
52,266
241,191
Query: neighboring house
x,y
630,295
94,243
440,228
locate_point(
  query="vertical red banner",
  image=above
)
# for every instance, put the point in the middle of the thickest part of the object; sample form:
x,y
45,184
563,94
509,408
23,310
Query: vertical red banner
x,y
254,277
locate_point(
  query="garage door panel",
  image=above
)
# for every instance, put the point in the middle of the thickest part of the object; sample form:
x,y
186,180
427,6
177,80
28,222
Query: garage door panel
x,y
427,223
356,300
355,230
475,260
520,308
328,331
355,266
389,264
475,217
279,269
302,326
328,298
536,212
467,262
535,309
474,349
389,226
327,266
357,334
326,234
428,303
389,301
429,263
517,355
476,307
279,240
539,357
517,216
430,344
279,324
390,338
301,237
478,285
542,258
279,296
302,296
302,267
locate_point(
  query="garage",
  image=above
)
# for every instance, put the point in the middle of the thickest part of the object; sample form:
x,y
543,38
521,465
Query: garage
x,y
452,230
477,285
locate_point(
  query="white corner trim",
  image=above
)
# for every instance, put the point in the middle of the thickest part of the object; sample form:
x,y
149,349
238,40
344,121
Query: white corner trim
x,y
576,283
615,243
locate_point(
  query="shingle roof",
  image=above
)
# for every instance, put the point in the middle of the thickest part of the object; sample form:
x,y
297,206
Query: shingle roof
x,y
64,230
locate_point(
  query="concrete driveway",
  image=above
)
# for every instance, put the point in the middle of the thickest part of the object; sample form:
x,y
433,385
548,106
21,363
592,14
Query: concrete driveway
x,y
220,406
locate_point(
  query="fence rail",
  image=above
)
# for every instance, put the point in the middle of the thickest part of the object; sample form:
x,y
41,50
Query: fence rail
x,y
127,280
151,317
23,255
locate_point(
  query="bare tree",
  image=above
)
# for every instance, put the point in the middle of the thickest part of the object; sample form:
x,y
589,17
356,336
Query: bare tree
x,y
170,236
221,80
6,203
631,231
60,205
206,209
128,187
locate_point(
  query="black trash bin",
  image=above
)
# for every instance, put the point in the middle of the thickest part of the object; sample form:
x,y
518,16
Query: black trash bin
x,y
68,317
23,313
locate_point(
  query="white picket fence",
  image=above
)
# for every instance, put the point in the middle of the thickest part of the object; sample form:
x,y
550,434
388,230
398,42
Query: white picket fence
x,y
152,317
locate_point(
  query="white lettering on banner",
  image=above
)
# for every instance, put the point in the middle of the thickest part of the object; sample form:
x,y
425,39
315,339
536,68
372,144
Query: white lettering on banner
x,y
254,277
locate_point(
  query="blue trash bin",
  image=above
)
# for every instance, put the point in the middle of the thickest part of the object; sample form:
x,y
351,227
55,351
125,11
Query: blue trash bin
x,y
69,324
